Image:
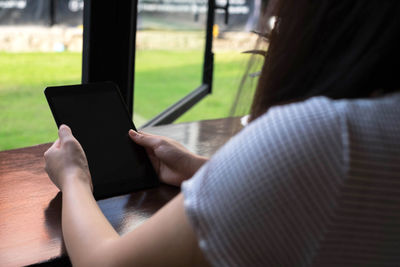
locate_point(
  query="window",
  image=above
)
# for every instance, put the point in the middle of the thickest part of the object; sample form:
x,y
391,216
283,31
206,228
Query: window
x,y
34,55
162,49
109,53
170,43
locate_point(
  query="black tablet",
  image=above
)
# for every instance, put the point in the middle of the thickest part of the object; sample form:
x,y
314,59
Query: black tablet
x,y
100,121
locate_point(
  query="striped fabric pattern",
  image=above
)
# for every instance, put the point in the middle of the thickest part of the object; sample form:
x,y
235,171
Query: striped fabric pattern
x,y
315,183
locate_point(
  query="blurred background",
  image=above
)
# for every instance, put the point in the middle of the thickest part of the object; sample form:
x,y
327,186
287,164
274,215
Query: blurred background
x,y
41,45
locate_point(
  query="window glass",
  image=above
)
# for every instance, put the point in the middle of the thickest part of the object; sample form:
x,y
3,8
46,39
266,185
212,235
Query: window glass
x,y
170,45
230,64
34,55
40,46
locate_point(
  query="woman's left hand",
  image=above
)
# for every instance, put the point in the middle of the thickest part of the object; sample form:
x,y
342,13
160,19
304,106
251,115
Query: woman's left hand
x,y
66,161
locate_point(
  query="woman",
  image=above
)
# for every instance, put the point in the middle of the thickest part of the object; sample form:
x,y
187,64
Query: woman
x,y
313,180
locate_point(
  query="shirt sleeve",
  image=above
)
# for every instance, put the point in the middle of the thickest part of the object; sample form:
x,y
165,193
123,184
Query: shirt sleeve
x,y
265,198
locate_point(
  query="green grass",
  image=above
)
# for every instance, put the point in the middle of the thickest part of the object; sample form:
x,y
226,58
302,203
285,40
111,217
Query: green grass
x,y
161,79
25,118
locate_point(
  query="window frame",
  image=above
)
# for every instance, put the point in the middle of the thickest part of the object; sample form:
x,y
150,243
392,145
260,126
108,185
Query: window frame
x,y
109,46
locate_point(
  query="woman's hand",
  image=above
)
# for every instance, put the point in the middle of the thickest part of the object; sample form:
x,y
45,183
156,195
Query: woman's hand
x,y
66,161
172,161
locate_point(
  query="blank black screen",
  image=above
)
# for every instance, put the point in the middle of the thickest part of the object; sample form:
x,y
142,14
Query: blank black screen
x,y
100,121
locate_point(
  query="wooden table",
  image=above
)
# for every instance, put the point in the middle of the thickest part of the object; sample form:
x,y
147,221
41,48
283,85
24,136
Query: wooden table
x,y
30,205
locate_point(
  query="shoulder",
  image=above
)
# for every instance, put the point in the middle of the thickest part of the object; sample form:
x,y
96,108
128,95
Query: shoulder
x,y
282,163
316,110
267,196
271,148
298,130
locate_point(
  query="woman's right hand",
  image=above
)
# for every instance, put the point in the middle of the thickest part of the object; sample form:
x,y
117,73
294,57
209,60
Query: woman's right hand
x,y
172,162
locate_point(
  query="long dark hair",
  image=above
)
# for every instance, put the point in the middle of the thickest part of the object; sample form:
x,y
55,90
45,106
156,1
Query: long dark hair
x,y
339,49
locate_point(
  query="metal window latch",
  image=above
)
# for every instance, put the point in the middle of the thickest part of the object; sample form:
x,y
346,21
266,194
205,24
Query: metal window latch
x,y
226,9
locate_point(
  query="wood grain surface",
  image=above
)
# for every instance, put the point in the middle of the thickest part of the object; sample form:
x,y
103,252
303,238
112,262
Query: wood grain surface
x,y
30,205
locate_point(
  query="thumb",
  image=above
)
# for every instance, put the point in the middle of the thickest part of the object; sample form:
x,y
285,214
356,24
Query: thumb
x,y
64,133
143,139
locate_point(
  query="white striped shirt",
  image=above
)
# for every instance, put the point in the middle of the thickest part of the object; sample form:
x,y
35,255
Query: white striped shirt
x,y
315,183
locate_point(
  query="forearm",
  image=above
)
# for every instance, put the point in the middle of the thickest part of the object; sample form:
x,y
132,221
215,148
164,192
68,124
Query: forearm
x,y
85,229
166,239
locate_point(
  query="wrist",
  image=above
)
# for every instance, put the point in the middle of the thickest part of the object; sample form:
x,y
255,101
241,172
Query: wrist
x,y
77,179
196,163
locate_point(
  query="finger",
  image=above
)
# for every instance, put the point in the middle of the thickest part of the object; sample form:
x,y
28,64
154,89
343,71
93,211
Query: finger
x,y
56,144
145,139
154,160
64,133
159,137
151,155
150,135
